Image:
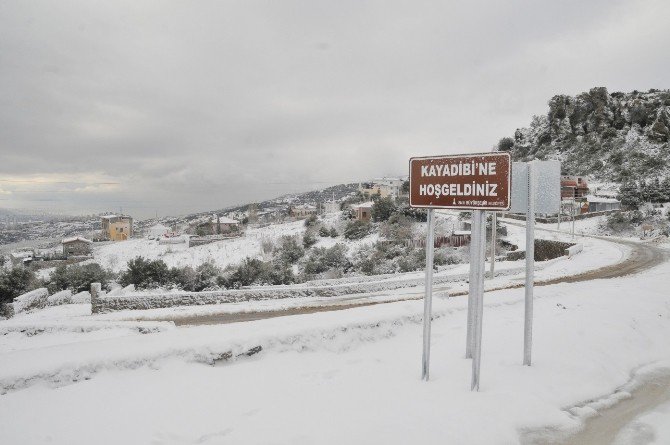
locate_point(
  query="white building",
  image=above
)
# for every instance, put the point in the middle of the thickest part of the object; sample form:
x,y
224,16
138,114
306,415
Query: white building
x,y
157,231
393,185
384,187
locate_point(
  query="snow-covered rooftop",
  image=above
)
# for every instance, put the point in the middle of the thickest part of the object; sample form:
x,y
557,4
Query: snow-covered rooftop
x,y
592,198
363,204
76,238
226,220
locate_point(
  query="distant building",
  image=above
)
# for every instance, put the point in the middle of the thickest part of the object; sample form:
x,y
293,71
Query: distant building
x,y
117,227
21,257
460,238
222,224
157,231
363,211
598,204
303,210
383,187
573,187
76,246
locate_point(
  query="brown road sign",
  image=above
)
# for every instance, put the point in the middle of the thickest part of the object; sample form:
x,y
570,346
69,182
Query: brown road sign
x,y
475,181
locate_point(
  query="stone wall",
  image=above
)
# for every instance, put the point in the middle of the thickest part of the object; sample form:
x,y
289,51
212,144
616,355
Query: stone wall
x,y
564,218
109,303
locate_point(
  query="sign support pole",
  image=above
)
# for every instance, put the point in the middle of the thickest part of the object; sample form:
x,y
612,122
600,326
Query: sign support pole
x,y
573,219
428,299
494,233
472,285
479,232
530,262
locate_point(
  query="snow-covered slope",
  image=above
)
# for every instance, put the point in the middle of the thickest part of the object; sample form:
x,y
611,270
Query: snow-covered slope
x,y
605,135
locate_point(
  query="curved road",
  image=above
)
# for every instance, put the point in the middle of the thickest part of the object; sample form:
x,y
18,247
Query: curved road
x,y
642,257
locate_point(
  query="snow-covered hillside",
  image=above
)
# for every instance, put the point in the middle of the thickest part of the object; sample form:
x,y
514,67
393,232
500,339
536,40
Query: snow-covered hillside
x,y
222,253
608,136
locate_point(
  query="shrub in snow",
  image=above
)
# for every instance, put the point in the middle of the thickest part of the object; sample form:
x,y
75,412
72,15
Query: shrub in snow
x,y
15,282
77,277
35,299
447,255
311,221
415,260
333,233
181,277
289,250
267,246
412,213
308,239
633,222
324,232
382,209
357,230
206,277
62,297
254,271
387,257
398,228
81,298
322,259
145,274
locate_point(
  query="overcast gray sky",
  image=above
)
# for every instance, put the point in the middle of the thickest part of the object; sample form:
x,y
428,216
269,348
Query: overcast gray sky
x,y
173,107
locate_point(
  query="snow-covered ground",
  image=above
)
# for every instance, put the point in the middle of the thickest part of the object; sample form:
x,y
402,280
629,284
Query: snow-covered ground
x,y
348,376
115,256
651,428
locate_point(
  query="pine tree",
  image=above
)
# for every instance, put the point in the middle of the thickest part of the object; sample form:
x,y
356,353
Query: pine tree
x,y
629,194
665,189
654,191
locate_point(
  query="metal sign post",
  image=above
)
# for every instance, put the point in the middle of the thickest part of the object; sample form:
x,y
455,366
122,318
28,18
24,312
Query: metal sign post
x,y
428,299
494,233
472,286
530,263
573,218
478,248
475,182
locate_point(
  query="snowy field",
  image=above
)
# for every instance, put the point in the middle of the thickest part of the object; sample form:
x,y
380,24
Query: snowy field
x,y
232,251
350,376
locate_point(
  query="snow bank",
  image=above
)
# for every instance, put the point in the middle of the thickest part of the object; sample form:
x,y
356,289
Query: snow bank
x,y
62,297
35,299
82,298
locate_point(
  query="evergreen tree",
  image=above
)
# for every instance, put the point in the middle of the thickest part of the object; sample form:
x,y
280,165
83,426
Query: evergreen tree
x,y
654,191
383,208
665,189
629,194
